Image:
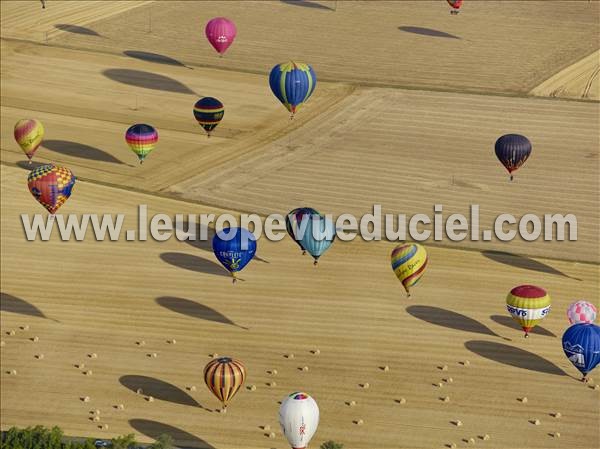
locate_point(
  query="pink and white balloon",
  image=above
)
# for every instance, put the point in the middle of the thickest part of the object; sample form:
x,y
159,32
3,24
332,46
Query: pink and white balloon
x,y
581,312
220,32
299,419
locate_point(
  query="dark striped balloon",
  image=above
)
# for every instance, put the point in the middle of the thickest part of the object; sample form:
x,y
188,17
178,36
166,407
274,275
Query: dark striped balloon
x,y
208,112
512,150
224,377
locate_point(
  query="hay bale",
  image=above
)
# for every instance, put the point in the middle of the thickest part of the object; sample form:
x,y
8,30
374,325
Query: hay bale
x,y
556,434
274,372
316,351
85,399
471,441
352,403
140,343
557,414
96,418
13,372
154,355
266,427
11,332
305,368
96,412
289,356
366,385
88,372
272,435
449,380
120,407
252,387
452,445
80,365
25,328
524,400
359,422
486,437
385,368
444,367
39,356
150,398
465,363
93,355
105,427
172,342
535,422
35,339
440,385
192,388
214,355
272,384
446,399
457,423
401,401
596,387
139,391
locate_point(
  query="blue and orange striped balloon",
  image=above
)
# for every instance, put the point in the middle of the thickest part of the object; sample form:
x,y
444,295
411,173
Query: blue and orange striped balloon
x,y
141,139
292,83
208,112
409,262
224,377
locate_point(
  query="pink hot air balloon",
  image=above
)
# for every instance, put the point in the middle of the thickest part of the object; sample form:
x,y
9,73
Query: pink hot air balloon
x,y
581,312
220,32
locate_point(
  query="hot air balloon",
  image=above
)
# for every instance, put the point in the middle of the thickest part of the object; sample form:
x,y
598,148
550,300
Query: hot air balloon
x,y
409,261
581,344
512,150
318,235
224,377
141,139
455,4
292,83
234,248
51,185
293,223
29,134
208,111
299,419
528,305
581,312
220,32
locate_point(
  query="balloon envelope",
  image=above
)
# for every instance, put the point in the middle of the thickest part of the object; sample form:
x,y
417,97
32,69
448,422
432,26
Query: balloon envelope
x,y
299,419
224,377
318,234
208,112
234,248
292,83
220,32
142,139
29,134
456,4
409,262
581,312
581,344
293,222
512,150
528,305
51,185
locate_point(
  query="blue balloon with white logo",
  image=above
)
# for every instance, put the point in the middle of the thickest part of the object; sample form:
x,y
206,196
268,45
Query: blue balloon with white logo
x,y
581,343
234,248
318,234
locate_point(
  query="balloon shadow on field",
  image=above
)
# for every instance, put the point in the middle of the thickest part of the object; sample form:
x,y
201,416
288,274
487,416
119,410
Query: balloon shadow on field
x,y
25,165
427,32
75,29
12,304
147,80
194,263
307,4
80,150
196,238
517,261
154,57
158,389
194,309
154,429
511,323
509,355
449,319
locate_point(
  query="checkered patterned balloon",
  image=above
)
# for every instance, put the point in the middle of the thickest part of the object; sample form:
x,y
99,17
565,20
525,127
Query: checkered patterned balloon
x,y
51,185
581,312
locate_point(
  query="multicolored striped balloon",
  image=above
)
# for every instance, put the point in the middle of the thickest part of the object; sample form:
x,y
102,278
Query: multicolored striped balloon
x,y
409,262
208,112
51,185
141,139
224,377
581,312
292,83
29,134
528,305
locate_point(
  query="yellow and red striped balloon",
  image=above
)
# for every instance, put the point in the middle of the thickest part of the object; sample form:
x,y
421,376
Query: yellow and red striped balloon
x,y
528,305
224,377
29,134
409,262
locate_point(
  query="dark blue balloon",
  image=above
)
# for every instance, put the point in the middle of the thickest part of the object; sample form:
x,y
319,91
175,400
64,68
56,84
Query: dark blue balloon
x,y
581,343
234,248
512,150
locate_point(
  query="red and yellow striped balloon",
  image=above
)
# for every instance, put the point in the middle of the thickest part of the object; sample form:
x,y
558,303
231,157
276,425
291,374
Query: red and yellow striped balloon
x,y
224,377
29,134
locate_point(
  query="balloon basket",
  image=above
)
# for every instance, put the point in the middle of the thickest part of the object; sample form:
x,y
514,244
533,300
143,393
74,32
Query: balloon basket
x,y
304,253
315,263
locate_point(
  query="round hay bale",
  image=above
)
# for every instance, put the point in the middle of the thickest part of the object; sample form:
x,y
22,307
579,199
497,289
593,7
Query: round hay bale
x,y
86,399
274,372
596,387
96,418
150,398
39,356
471,441
139,391
105,426
444,368
35,339
359,422
457,423
486,437
11,332
557,414
385,368
305,368
193,388
154,355
352,403
452,445
524,400
120,407
535,422
267,427
96,412
252,387
316,351
466,363
401,401
289,356
272,384
272,435
172,342
556,434
13,372
214,355
89,372
140,343
449,380
80,365
446,399
93,355
366,385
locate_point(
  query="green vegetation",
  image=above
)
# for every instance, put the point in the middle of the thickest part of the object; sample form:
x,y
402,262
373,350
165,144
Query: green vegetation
x,y
40,437
331,445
